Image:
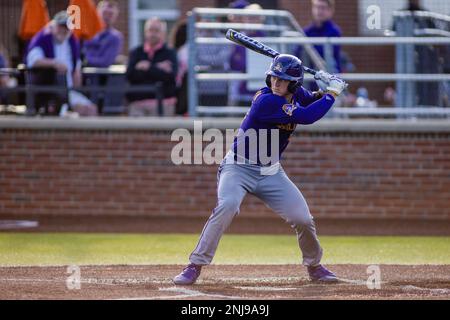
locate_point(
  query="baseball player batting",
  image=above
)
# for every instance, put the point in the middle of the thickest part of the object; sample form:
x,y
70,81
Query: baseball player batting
x,y
282,105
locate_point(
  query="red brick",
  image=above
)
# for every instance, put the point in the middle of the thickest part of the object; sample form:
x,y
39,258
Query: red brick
x,y
117,173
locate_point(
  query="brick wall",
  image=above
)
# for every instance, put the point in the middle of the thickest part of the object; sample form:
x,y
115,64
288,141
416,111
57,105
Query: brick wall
x,y
342,173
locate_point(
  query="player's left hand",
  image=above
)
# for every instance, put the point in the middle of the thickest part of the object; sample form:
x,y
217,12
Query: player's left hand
x,y
336,85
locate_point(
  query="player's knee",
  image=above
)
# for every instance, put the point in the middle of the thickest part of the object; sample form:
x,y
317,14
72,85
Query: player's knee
x,y
303,221
229,205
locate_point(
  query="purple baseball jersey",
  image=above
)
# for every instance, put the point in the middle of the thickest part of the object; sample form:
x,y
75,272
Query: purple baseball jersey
x,y
273,112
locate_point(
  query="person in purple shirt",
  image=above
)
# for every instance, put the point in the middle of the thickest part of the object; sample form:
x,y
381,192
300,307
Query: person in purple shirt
x,y
2,60
102,50
56,48
323,26
3,78
275,112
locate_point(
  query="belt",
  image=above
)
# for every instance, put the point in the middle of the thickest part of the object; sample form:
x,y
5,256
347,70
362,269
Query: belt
x,y
243,160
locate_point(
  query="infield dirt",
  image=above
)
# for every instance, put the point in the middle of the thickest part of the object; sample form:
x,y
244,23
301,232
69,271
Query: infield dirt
x,y
224,282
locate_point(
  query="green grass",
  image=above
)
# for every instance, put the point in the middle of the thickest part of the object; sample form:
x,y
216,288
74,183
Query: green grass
x,y
25,249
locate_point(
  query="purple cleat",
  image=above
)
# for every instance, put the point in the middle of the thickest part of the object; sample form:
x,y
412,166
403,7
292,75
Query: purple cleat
x,y
321,274
189,275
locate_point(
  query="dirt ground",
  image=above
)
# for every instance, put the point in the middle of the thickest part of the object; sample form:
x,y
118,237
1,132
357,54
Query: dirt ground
x,y
223,282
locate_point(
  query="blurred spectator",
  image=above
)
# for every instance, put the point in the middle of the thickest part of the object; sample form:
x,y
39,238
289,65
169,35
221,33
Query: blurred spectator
x,y
103,50
3,57
254,19
238,4
239,93
178,41
3,77
323,26
420,22
55,47
414,5
151,63
390,95
362,99
446,84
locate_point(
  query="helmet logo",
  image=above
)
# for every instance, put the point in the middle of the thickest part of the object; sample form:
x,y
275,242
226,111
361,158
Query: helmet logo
x,y
278,67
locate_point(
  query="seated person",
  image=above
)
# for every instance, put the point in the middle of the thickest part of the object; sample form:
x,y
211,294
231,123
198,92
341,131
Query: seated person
x,y
103,50
3,77
3,60
151,63
55,47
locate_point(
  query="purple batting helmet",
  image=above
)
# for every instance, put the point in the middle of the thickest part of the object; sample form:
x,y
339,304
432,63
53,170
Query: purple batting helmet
x,y
286,67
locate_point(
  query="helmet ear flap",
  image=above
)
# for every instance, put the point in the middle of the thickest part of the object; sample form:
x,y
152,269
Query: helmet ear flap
x,y
268,83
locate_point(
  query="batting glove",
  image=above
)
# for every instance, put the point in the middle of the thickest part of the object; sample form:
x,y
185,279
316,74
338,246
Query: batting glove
x,y
322,80
336,86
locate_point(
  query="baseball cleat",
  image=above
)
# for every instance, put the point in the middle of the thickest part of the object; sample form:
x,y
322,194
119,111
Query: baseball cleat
x,y
189,275
321,274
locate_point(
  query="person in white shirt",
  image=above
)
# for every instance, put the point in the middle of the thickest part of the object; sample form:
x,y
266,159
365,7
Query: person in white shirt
x,y
56,47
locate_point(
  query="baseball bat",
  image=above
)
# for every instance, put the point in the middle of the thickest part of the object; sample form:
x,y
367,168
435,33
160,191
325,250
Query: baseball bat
x,y
257,46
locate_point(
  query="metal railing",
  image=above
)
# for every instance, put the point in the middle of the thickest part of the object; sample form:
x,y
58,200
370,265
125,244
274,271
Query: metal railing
x,y
411,59
194,25
342,112
405,75
31,90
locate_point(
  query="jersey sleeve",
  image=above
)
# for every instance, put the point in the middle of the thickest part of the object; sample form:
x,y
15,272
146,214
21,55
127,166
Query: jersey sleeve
x,y
305,96
275,109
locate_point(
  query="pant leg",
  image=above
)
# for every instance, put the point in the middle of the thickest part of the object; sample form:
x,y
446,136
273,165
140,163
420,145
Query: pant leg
x,y
234,181
283,196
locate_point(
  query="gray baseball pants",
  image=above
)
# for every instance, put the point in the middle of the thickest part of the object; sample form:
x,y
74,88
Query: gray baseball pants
x,y
277,191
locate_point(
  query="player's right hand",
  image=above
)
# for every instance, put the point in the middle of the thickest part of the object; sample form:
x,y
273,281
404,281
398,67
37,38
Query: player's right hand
x,y
322,80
